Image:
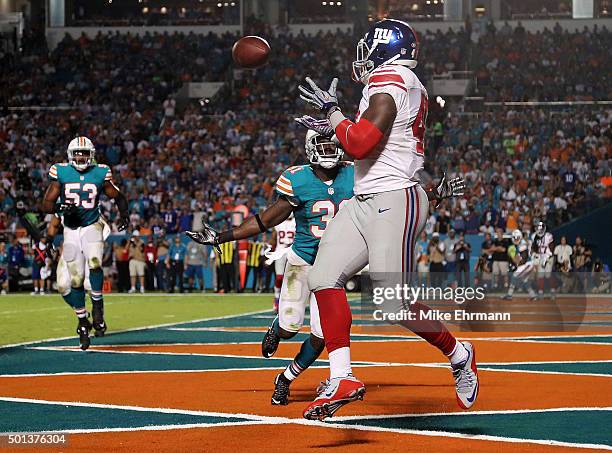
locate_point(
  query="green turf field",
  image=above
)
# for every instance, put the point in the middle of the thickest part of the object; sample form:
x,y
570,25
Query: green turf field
x,y
28,318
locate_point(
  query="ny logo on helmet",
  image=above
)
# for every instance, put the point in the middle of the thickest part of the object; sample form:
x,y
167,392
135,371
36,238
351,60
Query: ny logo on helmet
x,y
382,36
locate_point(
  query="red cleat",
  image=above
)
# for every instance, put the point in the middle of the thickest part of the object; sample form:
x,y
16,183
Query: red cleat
x,y
333,396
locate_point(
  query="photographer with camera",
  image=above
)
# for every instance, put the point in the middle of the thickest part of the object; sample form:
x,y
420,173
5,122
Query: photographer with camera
x,y
462,251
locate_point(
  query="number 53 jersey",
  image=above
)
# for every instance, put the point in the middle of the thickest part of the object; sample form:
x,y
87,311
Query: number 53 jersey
x,y
81,188
394,164
316,203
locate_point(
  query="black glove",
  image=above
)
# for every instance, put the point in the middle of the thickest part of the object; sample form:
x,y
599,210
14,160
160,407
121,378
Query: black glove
x,y
51,250
208,236
66,209
449,188
123,222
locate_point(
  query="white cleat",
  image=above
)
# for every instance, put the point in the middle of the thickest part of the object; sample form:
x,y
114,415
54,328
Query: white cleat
x,y
466,378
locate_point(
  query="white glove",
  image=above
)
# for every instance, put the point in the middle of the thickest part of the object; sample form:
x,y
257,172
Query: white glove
x,y
323,100
321,126
208,236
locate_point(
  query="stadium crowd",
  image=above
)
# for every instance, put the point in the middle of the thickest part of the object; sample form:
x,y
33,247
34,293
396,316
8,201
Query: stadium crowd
x,y
176,160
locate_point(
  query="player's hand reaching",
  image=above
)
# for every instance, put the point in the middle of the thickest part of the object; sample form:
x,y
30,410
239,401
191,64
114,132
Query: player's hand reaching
x,y
320,126
448,188
323,100
208,236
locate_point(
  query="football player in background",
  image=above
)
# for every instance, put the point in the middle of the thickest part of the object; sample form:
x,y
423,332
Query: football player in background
x,y
282,239
381,223
313,193
522,267
542,252
78,185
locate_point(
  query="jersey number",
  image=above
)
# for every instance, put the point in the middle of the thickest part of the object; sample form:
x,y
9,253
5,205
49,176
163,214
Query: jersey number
x,y
288,235
419,124
72,194
327,210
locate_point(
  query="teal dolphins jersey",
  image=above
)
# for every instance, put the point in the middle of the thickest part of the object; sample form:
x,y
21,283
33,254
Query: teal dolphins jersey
x,y
81,188
316,203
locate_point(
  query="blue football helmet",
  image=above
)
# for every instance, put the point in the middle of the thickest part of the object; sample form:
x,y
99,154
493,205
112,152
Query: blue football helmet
x,y
389,41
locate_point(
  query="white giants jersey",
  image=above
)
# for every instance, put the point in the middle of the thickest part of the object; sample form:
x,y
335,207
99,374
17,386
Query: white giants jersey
x,y
285,232
541,244
394,164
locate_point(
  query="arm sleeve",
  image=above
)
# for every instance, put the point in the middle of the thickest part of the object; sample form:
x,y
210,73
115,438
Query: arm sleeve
x,y
357,139
109,175
284,187
53,173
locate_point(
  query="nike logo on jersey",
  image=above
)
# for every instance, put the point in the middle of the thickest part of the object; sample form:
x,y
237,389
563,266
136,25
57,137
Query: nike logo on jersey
x,y
380,211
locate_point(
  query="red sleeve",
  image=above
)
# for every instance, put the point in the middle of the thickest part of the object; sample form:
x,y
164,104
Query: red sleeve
x,y
359,138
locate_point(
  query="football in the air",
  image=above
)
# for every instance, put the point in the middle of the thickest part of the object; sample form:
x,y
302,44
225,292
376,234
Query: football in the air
x,y
251,52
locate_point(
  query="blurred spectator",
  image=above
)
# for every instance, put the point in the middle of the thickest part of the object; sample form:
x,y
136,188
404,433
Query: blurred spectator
x,y
195,259
122,259
500,266
137,262
161,274
176,265
4,258
462,251
563,255
16,259
450,255
150,252
436,254
38,263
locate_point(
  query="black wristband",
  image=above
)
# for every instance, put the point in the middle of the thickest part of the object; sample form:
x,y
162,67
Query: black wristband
x,y
225,236
262,227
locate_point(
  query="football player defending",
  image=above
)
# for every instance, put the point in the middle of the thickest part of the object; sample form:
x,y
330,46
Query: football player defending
x,y
524,267
282,239
314,193
381,224
78,185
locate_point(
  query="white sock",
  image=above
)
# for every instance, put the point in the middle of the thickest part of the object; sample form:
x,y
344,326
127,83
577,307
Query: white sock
x,y
459,354
340,363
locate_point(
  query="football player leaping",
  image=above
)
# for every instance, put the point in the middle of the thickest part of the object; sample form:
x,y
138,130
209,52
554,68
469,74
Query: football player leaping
x,y
381,224
313,193
78,185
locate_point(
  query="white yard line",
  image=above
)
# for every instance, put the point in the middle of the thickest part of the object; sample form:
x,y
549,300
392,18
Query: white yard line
x,y
261,419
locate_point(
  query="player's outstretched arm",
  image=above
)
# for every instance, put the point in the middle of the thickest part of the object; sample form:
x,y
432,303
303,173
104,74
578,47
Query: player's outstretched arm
x,y
357,139
111,191
252,226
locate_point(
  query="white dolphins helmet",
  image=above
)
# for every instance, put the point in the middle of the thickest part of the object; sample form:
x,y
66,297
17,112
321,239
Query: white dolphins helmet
x,y
323,151
81,153
517,236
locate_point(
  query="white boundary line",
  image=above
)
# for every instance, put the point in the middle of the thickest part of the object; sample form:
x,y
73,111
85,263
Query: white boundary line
x,y
135,329
261,419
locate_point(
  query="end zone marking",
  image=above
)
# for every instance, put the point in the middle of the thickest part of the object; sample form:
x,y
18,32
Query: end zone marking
x,y
261,419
